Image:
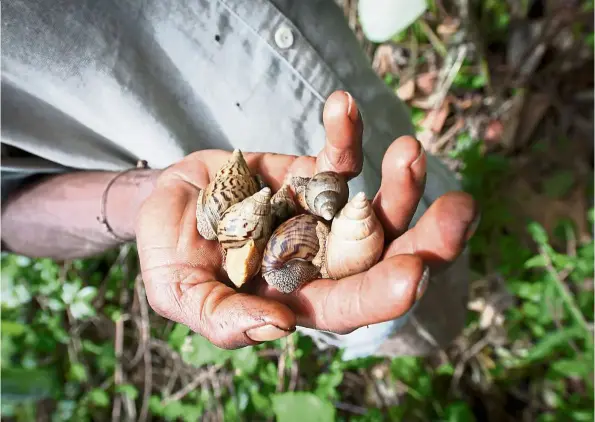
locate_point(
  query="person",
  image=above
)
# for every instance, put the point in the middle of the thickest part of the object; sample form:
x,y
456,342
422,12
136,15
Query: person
x,y
116,113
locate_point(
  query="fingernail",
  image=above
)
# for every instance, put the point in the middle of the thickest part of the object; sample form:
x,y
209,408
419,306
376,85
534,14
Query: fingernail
x,y
267,333
422,153
473,227
352,111
418,168
422,286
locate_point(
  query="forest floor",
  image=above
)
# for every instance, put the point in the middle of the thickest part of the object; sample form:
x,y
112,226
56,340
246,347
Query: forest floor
x,y
505,97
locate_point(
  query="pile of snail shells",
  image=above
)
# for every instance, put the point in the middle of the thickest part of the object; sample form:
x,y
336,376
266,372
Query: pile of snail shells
x,y
262,232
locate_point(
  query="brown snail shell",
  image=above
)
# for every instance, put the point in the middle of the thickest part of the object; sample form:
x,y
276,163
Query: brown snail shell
x,y
231,184
356,240
243,232
282,205
323,195
295,253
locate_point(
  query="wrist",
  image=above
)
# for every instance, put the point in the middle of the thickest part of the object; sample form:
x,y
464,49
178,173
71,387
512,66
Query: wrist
x,y
125,198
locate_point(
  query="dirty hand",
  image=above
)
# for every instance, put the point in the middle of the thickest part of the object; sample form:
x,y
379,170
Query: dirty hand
x,y
183,272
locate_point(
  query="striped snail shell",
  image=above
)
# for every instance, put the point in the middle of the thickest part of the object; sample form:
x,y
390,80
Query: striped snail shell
x,y
282,205
243,232
356,240
231,184
323,195
294,254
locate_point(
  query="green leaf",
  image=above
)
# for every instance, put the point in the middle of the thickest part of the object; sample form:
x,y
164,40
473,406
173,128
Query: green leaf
x,y
327,384
78,372
531,310
15,296
549,344
478,81
193,413
20,384
173,410
99,397
424,385
12,328
536,261
198,351
581,416
445,369
268,374
178,335
572,368
405,368
86,294
230,410
81,310
128,390
69,291
302,406
155,405
458,412
260,402
538,233
245,360
55,305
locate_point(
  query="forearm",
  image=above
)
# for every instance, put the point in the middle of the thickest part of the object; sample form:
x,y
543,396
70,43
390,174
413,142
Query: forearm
x,y
58,217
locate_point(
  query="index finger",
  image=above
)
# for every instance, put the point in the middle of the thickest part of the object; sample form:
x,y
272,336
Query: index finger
x,y
342,152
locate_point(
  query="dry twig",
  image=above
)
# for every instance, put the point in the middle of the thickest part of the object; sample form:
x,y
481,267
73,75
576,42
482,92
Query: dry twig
x,y
145,334
202,376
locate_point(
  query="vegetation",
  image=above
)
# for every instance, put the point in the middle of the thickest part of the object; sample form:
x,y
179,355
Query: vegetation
x,y
79,341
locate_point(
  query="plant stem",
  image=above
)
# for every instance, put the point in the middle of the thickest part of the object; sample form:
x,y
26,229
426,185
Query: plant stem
x,y
566,295
434,40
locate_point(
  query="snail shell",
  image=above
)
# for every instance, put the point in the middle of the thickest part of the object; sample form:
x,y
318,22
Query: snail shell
x,y
231,184
282,205
323,195
243,233
299,186
356,240
295,253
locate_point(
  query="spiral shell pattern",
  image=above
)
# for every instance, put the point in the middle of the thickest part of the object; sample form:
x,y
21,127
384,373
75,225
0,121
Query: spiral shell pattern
x,y
243,232
294,253
356,240
325,194
249,219
231,184
282,205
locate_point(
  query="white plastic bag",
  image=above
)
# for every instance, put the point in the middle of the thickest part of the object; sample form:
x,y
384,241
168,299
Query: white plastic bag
x,y
382,19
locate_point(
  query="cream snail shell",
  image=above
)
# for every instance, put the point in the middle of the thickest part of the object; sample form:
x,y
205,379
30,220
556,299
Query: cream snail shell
x,y
356,240
323,195
231,184
243,232
295,253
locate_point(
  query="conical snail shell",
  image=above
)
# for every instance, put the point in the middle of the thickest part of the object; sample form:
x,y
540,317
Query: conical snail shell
x,y
231,184
294,253
243,232
325,194
282,205
356,240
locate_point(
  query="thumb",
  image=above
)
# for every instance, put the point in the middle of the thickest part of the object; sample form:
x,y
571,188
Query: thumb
x,y
228,319
342,151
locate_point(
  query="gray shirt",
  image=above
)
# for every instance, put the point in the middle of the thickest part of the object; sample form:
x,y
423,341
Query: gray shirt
x,y
101,84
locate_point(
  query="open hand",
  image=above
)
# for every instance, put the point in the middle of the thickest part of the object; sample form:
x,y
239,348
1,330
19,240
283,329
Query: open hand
x,y
183,272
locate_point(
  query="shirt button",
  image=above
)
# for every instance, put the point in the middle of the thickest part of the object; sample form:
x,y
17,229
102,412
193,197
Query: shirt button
x,y
284,37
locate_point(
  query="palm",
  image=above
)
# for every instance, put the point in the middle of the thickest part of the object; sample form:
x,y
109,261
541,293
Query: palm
x,y
177,224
